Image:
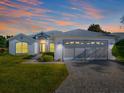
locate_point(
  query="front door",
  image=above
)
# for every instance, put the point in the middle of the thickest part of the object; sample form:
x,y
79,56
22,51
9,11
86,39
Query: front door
x,y
42,47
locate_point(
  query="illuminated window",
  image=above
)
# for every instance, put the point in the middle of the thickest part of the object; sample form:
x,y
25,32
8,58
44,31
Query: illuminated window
x,y
92,42
102,43
82,43
72,42
67,43
88,43
77,42
98,43
21,47
52,47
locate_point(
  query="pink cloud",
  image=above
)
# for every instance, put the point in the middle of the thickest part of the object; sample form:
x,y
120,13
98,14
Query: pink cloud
x,y
113,28
87,9
31,2
66,23
9,3
93,12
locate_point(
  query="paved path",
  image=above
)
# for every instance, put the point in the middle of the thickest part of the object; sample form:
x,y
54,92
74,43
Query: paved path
x,y
35,58
36,62
93,77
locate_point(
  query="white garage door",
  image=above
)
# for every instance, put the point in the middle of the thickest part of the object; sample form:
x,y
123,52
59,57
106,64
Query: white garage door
x,y
85,50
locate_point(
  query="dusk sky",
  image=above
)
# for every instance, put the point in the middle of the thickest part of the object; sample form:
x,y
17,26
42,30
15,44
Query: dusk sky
x,y
31,16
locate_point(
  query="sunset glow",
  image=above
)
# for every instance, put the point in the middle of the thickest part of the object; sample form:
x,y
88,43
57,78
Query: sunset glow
x,y
31,16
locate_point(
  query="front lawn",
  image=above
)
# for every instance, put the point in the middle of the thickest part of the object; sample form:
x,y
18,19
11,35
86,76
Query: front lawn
x,y
29,78
10,59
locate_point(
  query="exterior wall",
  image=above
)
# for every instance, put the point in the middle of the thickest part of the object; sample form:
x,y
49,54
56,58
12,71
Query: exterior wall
x,y
58,49
111,43
32,48
12,47
36,48
59,45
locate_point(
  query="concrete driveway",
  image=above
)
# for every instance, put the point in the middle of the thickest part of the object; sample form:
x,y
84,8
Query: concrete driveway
x,y
93,77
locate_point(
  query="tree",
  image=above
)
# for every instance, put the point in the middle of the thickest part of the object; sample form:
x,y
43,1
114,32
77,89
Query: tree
x,y
3,42
96,28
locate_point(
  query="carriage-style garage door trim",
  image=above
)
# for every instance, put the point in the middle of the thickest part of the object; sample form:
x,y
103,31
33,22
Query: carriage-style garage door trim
x,y
85,49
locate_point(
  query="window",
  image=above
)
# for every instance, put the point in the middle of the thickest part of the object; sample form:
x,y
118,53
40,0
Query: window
x,y
52,47
21,47
102,43
98,43
77,42
92,42
82,43
66,43
88,43
71,42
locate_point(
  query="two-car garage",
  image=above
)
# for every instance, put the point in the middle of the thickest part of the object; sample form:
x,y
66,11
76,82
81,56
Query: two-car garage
x,y
85,50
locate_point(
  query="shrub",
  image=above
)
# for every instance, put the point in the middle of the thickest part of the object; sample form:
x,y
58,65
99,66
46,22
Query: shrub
x,y
41,59
48,53
59,59
46,58
3,51
118,50
28,57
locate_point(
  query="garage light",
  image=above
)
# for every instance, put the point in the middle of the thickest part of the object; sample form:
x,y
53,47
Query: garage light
x,y
59,46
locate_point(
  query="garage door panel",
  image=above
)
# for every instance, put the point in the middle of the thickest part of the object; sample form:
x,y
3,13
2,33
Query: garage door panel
x,y
68,53
85,49
79,53
90,53
101,53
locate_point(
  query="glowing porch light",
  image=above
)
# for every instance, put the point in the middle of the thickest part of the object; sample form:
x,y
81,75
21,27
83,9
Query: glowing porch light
x,y
43,41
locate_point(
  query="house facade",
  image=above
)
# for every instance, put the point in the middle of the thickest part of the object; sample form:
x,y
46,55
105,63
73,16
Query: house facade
x,y
72,45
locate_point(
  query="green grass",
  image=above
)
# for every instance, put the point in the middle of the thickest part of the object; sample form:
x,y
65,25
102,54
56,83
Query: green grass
x,y
29,78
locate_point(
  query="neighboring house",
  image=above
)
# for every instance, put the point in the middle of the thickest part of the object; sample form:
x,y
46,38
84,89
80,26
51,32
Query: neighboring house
x,y
72,45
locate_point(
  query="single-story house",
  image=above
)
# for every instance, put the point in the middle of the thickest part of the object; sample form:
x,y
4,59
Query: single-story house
x,y
71,45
